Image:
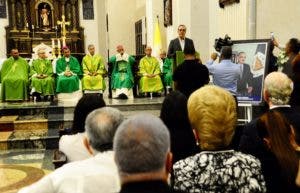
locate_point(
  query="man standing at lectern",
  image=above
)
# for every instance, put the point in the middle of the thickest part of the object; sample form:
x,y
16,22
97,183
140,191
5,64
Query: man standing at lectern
x,y
179,43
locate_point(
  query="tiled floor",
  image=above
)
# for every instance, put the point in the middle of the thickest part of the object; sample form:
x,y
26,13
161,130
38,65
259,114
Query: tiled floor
x,y
19,168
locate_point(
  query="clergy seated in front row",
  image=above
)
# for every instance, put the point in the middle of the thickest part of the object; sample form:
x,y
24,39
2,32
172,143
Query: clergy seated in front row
x,y
167,70
122,77
14,78
68,71
149,71
41,73
93,72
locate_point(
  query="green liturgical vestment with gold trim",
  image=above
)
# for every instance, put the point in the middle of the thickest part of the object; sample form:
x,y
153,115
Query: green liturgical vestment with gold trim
x,y
14,79
41,73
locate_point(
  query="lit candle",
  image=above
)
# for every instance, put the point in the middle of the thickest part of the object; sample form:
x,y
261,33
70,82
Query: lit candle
x,y
27,25
58,43
32,26
52,43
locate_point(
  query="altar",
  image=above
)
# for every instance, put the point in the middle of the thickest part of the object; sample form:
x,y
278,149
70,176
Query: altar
x,y
32,22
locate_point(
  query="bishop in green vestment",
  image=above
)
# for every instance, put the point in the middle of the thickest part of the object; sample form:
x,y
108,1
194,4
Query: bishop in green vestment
x,y
68,70
93,71
41,73
149,71
122,78
14,78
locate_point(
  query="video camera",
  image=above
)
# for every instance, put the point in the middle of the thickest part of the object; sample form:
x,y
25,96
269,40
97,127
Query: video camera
x,y
219,43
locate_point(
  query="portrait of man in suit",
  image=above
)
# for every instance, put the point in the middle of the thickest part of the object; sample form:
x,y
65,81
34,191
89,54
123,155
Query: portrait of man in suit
x,y
245,82
179,43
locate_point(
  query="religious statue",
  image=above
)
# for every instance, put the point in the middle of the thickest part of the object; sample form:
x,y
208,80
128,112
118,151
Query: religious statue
x,y
45,17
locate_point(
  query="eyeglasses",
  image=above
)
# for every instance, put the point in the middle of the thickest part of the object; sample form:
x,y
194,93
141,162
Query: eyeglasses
x,y
181,29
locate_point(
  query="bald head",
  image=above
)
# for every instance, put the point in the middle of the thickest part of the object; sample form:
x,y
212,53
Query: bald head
x,y
277,88
141,145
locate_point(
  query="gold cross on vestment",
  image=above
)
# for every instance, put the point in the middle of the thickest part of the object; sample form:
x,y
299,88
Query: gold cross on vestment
x,y
63,24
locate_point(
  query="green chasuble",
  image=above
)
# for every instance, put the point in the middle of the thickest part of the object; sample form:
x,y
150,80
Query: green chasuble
x,y
93,72
45,84
167,72
149,66
14,79
122,76
67,84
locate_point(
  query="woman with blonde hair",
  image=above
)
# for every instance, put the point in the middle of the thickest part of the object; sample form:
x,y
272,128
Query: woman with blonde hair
x,y
212,113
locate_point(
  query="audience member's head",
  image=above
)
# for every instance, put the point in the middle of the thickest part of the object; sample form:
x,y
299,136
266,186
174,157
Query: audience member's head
x,y
174,115
189,76
292,46
189,51
226,52
142,149
181,31
277,89
214,56
212,113
279,138
85,105
101,125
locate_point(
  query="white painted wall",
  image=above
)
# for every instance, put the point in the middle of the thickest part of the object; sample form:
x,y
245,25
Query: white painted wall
x,y
121,24
280,17
94,30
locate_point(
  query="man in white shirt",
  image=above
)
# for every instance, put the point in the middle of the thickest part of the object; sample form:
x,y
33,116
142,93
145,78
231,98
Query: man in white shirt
x,y
96,174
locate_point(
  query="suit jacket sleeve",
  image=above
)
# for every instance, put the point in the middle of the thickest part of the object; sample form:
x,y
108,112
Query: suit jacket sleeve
x,y
171,50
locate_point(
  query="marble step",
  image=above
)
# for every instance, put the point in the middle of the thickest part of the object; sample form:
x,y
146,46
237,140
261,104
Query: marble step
x,y
36,125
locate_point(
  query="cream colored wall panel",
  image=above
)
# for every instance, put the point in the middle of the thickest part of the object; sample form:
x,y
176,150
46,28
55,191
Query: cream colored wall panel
x,y
280,17
121,25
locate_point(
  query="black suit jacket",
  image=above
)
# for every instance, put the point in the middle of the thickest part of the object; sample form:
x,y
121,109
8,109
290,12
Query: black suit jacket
x,y
251,143
245,79
175,46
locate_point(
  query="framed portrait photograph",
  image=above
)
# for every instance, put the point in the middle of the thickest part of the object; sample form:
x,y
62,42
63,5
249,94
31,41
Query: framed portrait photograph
x,y
253,58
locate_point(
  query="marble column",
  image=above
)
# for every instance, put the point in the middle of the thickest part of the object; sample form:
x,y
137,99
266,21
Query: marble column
x,y
13,18
74,18
25,15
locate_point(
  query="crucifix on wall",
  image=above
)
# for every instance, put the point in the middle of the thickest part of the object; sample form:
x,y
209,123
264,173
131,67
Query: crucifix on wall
x,y
63,24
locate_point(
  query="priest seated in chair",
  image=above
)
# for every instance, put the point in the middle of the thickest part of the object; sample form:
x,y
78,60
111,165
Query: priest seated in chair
x,y
14,78
149,70
41,73
93,72
68,71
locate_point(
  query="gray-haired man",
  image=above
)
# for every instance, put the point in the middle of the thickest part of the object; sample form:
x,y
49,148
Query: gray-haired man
x,y
142,154
96,174
277,91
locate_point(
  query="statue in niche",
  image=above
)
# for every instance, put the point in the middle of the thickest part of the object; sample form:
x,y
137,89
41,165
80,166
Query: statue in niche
x,y
45,16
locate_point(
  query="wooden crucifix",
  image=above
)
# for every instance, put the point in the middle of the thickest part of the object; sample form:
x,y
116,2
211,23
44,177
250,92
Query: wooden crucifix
x,y
63,24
